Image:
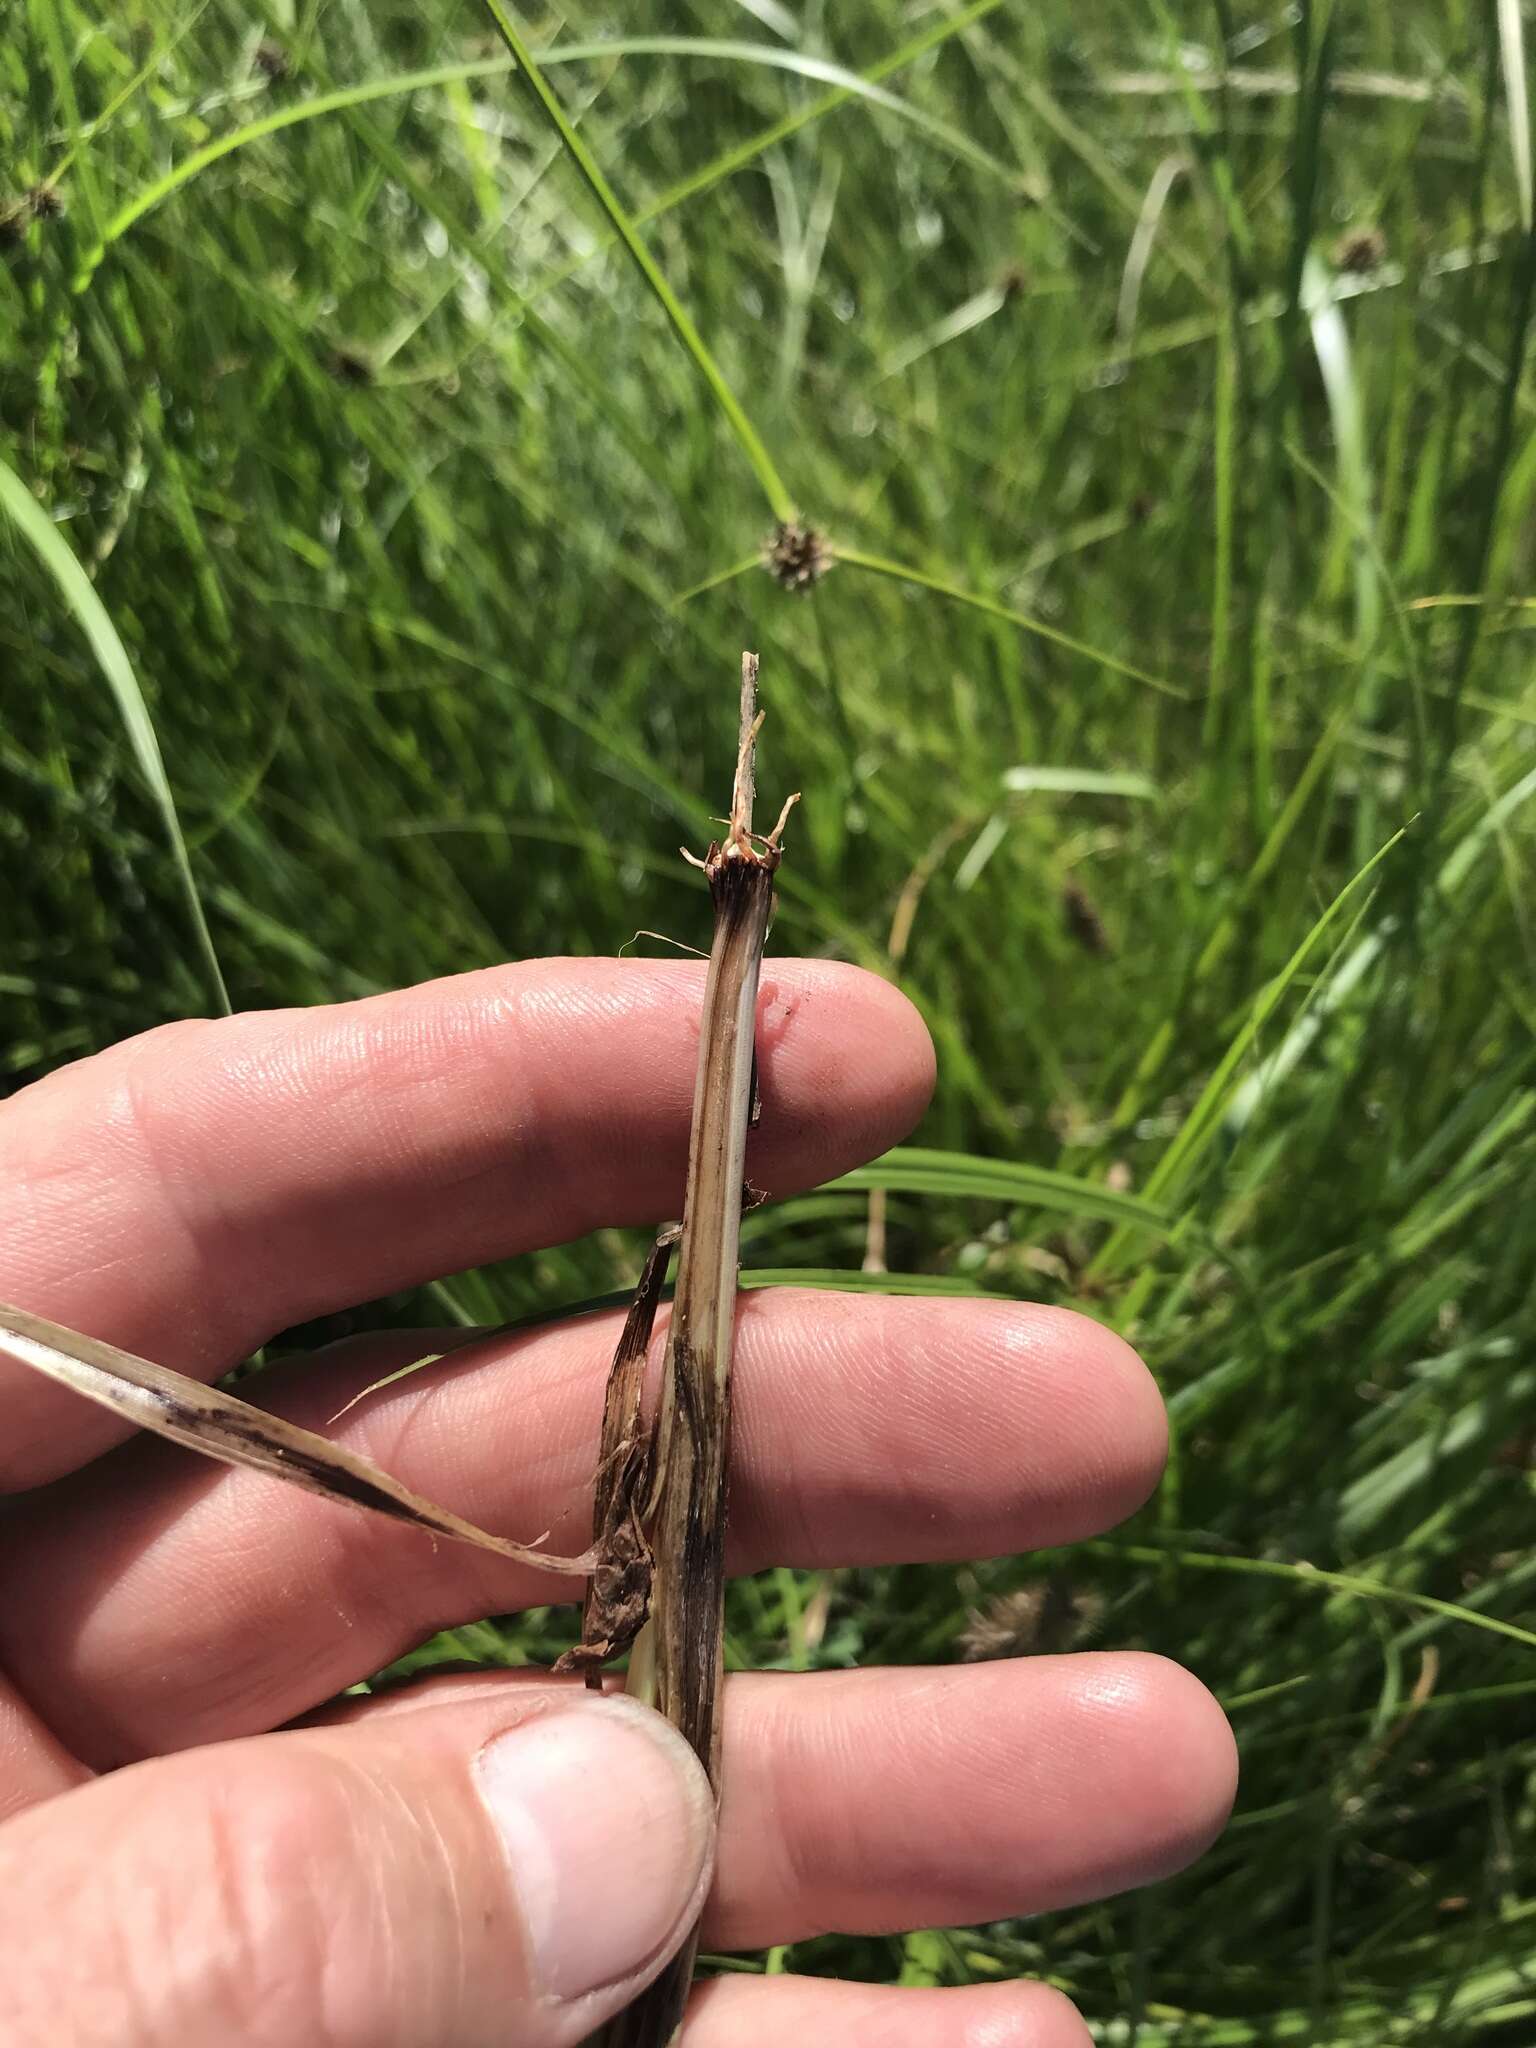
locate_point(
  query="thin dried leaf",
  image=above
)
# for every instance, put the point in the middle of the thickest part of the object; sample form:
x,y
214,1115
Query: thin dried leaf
x,y
233,1432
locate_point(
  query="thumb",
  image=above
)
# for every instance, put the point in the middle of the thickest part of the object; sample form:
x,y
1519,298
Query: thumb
x,y
506,1870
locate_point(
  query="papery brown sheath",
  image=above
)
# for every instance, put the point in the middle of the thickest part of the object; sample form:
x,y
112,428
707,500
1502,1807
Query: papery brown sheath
x,y
676,1665
618,1601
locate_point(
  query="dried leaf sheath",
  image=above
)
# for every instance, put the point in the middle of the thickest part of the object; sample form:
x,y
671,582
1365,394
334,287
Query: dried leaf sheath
x,y
234,1433
682,1668
694,1424
619,1591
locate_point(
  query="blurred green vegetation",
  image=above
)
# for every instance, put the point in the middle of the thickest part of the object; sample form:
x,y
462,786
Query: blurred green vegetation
x,y
1155,377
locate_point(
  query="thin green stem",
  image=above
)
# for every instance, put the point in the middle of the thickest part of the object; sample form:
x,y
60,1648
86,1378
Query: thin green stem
x,y
1348,1583
749,440
900,572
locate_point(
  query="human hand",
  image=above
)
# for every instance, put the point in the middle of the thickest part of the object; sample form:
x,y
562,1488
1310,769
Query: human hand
x,y
506,1859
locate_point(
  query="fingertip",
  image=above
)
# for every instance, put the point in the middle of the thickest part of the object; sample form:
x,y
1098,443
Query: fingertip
x,y
1005,1426
909,1062
848,1069
1163,1735
744,2012
1088,1421
1202,1761
1023,2016
1047,2018
1123,1416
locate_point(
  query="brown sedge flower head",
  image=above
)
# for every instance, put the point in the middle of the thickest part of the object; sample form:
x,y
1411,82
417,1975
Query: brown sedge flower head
x,y
796,556
40,202
1361,251
1035,1620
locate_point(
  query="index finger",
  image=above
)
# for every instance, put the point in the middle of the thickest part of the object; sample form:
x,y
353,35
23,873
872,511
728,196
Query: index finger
x,y
190,1192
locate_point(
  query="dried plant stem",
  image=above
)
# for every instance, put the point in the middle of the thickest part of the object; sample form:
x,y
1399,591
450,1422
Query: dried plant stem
x,y
677,1665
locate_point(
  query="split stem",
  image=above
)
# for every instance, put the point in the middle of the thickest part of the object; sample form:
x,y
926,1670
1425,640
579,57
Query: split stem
x,y
678,1663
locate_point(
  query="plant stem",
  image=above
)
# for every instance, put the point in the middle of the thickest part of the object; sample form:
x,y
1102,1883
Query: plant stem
x,y
748,439
678,1664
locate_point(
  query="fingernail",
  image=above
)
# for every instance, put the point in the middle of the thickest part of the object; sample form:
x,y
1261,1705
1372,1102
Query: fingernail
x,y
608,1823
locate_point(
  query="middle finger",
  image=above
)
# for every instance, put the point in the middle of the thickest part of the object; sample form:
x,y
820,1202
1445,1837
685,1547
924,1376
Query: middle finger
x,y
149,1602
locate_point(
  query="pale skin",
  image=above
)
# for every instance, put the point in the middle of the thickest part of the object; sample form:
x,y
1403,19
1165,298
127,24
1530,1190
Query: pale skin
x,y
270,1870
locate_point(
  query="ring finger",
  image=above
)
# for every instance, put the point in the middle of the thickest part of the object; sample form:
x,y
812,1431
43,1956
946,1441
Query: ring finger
x,y
982,1792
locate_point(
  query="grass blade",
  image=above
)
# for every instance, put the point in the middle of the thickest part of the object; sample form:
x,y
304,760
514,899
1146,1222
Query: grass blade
x,y
90,614
844,1280
1080,782
849,85
1204,1119
743,153
1200,1125
914,1170
899,572
343,97
780,503
1512,61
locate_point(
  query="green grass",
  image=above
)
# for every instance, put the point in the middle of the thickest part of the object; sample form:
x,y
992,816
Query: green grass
x,y
386,472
